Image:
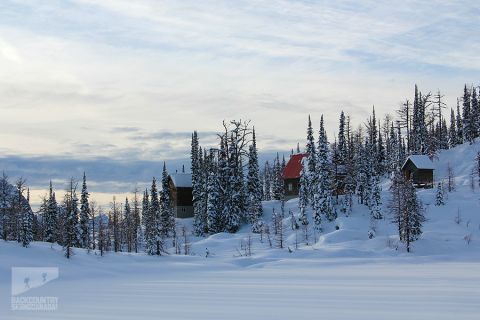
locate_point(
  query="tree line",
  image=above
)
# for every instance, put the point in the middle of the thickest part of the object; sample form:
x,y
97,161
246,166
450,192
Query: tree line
x,y
228,186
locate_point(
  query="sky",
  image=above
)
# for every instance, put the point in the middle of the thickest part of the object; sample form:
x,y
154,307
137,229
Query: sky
x,y
115,88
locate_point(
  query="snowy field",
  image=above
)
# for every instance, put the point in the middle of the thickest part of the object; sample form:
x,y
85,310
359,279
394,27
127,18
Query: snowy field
x,y
344,275
296,287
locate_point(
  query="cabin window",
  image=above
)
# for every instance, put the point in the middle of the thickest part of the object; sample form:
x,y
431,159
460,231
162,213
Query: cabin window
x,y
290,187
183,209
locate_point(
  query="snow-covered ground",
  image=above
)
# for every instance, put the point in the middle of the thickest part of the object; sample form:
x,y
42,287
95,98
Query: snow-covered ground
x,y
344,275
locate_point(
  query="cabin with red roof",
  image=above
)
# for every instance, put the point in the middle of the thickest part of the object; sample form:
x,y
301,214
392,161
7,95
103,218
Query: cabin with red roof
x,y
291,175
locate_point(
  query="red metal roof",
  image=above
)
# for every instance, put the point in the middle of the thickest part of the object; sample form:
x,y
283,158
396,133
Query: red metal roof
x,y
294,166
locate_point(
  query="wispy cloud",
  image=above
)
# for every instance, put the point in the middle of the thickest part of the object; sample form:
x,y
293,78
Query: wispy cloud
x,y
130,80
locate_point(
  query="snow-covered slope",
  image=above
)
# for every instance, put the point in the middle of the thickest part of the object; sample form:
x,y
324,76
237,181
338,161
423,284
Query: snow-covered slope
x,y
343,275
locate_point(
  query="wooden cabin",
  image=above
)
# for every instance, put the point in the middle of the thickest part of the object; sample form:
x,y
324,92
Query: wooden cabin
x,y
419,169
291,175
181,198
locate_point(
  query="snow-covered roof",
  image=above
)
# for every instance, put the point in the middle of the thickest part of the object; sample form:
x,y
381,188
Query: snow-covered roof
x,y
420,161
182,180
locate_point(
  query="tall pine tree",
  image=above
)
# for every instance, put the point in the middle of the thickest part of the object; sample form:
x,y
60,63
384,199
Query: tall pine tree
x,y
84,215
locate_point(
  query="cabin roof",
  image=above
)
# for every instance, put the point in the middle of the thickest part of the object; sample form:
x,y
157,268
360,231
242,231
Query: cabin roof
x,y
294,166
420,161
181,180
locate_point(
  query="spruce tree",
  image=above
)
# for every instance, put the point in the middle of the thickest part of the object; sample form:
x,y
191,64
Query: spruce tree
x,y
362,171
267,185
459,124
467,116
215,222
71,234
413,217
223,174
311,161
396,204
25,214
392,150
342,140
254,191
137,229
375,202
452,132
444,135
380,155
154,244
233,200
199,212
303,198
439,196
51,217
323,194
84,215
278,187
167,218
474,115
128,225
147,223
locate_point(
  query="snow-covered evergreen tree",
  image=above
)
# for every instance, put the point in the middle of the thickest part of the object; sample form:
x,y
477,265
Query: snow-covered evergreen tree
x,y
277,179
71,228
459,125
392,150
452,132
362,170
154,243
254,192
474,115
147,223
419,128
50,217
468,126
439,196
128,225
413,217
323,193
375,202
380,155
167,218
267,182
137,226
406,209
233,199
342,140
84,215
197,187
214,205
25,214
303,196
310,161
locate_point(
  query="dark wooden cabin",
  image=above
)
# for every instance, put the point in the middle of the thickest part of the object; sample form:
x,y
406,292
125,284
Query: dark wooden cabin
x,y
291,175
419,169
181,198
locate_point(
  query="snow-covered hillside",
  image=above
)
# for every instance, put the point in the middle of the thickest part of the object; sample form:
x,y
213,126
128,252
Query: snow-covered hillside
x,y
343,275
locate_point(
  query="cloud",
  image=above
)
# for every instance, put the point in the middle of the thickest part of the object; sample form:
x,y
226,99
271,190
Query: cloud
x,y
130,80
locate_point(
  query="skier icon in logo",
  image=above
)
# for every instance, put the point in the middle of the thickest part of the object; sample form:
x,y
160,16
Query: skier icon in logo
x,y
44,276
27,282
